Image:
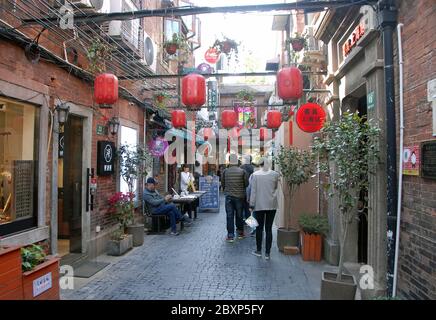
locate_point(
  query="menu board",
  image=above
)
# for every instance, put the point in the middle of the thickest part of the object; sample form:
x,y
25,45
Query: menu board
x,y
428,160
211,199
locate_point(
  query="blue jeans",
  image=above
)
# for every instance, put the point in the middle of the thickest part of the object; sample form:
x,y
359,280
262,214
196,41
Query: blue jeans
x,y
246,209
171,211
234,207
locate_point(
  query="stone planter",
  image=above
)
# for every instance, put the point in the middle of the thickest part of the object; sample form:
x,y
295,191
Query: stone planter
x,y
42,283
11,280
337,290
137,232
288,238
120,247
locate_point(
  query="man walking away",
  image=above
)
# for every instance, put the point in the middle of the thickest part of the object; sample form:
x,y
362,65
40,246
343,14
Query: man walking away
x,y
249,169
235,182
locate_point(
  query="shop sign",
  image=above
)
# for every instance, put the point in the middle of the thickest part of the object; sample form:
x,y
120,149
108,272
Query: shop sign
x,y
212,55
105,158
370,100
42,284
411,161
310,117
101,130
352,39
428,159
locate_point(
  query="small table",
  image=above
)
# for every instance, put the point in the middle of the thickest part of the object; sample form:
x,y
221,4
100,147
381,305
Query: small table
x,y
191,199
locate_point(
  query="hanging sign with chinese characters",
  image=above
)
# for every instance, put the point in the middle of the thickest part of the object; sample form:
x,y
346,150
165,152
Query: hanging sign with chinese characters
x,y
105,158
352,39
310,117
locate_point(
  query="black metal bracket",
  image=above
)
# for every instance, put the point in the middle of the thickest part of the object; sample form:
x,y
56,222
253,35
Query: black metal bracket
x,y
89,196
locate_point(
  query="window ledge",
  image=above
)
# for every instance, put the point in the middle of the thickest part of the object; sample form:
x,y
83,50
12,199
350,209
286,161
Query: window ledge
x,y
26,237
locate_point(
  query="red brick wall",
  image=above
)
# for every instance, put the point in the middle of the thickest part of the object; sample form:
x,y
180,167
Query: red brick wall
x,y
417,262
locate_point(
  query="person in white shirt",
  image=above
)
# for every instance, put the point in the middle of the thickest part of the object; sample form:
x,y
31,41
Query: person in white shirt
x,y
263,201
185,179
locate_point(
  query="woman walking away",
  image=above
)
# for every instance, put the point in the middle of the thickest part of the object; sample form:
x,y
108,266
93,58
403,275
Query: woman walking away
x,y
263,200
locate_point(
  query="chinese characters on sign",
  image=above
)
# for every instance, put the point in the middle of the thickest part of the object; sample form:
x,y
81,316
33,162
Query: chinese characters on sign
x,y
310,117
42,284
411,161
352,39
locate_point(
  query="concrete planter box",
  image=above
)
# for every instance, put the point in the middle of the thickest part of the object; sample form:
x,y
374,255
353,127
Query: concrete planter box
x,y
287,238
46,272
120,247
337,290
137,232
11,280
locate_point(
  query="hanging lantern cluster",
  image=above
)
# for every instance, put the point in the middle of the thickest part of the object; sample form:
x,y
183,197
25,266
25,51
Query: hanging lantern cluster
x,y
290,83
178,118
106,89
193,90
229,119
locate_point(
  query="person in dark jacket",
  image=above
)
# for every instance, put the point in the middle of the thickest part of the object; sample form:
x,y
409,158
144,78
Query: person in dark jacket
x,y
161,205
235,182
249,169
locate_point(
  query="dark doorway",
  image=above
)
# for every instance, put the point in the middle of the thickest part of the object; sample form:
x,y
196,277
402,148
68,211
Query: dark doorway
x,y
70,217
362,252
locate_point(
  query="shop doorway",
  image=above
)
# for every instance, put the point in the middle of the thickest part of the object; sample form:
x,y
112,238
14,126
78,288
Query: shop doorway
x,y
70,187
362,242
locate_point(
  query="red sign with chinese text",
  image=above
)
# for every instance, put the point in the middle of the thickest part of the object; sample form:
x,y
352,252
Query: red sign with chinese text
x,y
310,117
212,55
352,39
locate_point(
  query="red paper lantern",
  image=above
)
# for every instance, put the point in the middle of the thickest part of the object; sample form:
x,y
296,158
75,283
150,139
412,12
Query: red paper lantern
x,y
106,89
274,119
178,118
193,90
310,117
290,83
229,119
263,133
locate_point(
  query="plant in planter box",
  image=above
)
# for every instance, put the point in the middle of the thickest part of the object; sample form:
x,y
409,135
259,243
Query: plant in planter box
x,y
296,167
37,265
313,228
133,163
349,148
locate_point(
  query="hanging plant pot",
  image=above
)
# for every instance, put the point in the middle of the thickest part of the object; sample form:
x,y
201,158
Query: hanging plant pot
x,y
160,99
297,44
227,46
171,48
32,52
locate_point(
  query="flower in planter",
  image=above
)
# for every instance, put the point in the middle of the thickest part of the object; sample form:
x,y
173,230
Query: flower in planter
x,y
227,46
122,206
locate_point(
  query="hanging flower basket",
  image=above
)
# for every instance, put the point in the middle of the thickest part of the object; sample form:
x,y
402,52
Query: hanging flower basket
x,y
298,42
245,95
175,43
160,99
227,46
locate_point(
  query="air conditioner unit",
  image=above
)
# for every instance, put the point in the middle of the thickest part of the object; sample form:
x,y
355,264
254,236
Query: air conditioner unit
x,y
150,53
127,29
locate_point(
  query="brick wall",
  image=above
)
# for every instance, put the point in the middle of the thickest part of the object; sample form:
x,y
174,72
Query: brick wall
x,y
417,262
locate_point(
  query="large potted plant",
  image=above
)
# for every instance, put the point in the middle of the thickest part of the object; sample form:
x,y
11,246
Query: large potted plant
x,y
40,274
313,228
132,161
296,167
122,206
348,146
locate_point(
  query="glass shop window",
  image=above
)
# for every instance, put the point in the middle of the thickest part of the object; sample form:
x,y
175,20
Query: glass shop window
x,y
19,128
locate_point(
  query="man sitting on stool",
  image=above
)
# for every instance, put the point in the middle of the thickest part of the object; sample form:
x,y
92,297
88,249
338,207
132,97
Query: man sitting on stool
x,y
161,205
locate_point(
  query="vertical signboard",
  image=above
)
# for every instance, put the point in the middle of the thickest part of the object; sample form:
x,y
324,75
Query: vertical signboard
x,y
211,199
411,160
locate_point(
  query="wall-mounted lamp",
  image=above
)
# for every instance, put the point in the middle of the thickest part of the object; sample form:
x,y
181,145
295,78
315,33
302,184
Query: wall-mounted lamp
x,y
113,125
62,109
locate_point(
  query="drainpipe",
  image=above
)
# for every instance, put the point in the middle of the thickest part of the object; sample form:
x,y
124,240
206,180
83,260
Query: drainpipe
x,y
388,21
400,163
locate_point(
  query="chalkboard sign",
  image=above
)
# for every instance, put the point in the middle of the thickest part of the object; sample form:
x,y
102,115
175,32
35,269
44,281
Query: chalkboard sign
x,y
211,199
428,160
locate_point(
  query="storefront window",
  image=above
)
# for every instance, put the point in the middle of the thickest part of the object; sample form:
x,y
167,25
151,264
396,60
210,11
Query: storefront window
x,y
19,127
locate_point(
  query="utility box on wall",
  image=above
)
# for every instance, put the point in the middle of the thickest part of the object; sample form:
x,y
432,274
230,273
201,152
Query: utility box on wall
x,y
105,158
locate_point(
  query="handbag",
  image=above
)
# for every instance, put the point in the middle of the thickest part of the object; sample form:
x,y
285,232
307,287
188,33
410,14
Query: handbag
x,y
251,222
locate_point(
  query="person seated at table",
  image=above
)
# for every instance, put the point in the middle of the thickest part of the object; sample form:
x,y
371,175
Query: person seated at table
x,y
161,205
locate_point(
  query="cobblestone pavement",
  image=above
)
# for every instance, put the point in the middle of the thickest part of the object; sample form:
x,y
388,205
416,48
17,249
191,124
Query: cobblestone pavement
x,y
199,264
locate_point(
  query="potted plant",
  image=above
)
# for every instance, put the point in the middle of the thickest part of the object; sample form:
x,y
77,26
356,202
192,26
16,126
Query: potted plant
x,y
40,274
227,46
122,207
160,98
175,43
296,167
132,161
298,42
313,227
11,279
349,148
98,53
245,95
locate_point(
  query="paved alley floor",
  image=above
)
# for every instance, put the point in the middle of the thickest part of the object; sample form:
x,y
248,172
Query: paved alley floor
x,y
198,264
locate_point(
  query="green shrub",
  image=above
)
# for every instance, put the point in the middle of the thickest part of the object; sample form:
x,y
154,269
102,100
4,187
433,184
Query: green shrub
x,y
314,224
31,257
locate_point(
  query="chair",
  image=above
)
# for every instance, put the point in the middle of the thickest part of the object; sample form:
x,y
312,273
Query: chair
x,y
159,222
